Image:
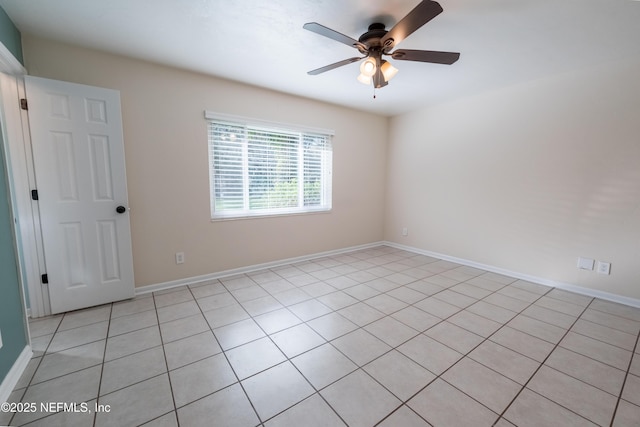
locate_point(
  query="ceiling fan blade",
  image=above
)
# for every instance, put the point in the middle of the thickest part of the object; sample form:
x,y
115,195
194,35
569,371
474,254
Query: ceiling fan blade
x,y
334,65
332,34
420,15
432,56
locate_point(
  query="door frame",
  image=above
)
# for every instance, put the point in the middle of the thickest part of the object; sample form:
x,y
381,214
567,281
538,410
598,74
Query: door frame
x,y
22,181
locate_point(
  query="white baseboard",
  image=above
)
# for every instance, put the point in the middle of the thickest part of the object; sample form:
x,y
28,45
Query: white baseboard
x,y
534,279
248,269
12,378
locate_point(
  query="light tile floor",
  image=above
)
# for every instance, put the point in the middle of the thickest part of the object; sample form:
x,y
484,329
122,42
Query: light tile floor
x,y
372,337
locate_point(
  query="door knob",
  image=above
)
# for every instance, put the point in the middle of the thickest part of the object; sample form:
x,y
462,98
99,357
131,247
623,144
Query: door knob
x,y
121,209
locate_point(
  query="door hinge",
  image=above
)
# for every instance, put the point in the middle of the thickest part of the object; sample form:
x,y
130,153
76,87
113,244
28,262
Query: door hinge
x,y
34,194
23,104
45,279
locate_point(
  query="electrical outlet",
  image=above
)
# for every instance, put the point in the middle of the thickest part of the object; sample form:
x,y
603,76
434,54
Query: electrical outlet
x,y
405,231
179,257
604,267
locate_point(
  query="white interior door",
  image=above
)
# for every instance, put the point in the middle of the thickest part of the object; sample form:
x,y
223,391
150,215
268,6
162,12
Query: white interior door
x,y
78,151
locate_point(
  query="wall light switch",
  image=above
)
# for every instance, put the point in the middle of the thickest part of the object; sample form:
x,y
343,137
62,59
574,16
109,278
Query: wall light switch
x,y
585,263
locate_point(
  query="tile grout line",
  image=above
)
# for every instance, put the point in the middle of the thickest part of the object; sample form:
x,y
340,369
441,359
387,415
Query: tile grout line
x,y
327,342
419,333
166,363
578,317
287,358
386,315
503,325
224,353
427,296
69,373
104,355
599,340
472,349
577,333
542,364
626,376
392,348
621,316
388,259
389,315
44,353
404,402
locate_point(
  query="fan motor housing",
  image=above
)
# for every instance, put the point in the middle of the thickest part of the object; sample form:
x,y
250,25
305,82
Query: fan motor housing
x,y
373,37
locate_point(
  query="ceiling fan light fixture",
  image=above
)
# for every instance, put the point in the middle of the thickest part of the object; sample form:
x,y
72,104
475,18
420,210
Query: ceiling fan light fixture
x,y
368,67
364,79
388,70
378,41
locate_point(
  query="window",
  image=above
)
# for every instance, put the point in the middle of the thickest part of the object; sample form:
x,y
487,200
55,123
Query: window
x,y
266,169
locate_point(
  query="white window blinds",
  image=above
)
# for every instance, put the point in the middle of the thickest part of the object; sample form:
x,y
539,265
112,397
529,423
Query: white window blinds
x,y
258,170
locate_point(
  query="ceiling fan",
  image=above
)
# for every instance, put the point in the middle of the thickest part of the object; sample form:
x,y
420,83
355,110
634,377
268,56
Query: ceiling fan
x,y
377,42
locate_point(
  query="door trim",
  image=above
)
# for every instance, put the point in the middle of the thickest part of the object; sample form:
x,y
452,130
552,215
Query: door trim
x,y
18,144
8,63
12,68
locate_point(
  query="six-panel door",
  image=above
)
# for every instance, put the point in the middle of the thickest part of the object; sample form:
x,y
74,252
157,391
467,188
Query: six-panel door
x,y
78,150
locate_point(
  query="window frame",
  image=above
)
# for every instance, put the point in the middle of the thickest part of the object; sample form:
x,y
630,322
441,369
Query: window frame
x,y
277,128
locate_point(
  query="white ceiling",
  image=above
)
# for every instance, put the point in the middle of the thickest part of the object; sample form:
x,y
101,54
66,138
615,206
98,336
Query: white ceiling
x,y
262,42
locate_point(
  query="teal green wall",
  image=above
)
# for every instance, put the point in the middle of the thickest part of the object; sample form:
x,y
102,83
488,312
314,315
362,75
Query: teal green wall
x,y
10,36
11,39
12,316
14,337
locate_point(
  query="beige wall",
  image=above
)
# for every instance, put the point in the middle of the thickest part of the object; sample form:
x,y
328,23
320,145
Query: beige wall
x,y
527,178
167,169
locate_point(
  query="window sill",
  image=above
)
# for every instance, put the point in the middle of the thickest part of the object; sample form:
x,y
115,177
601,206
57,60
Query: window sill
x,y
269,215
